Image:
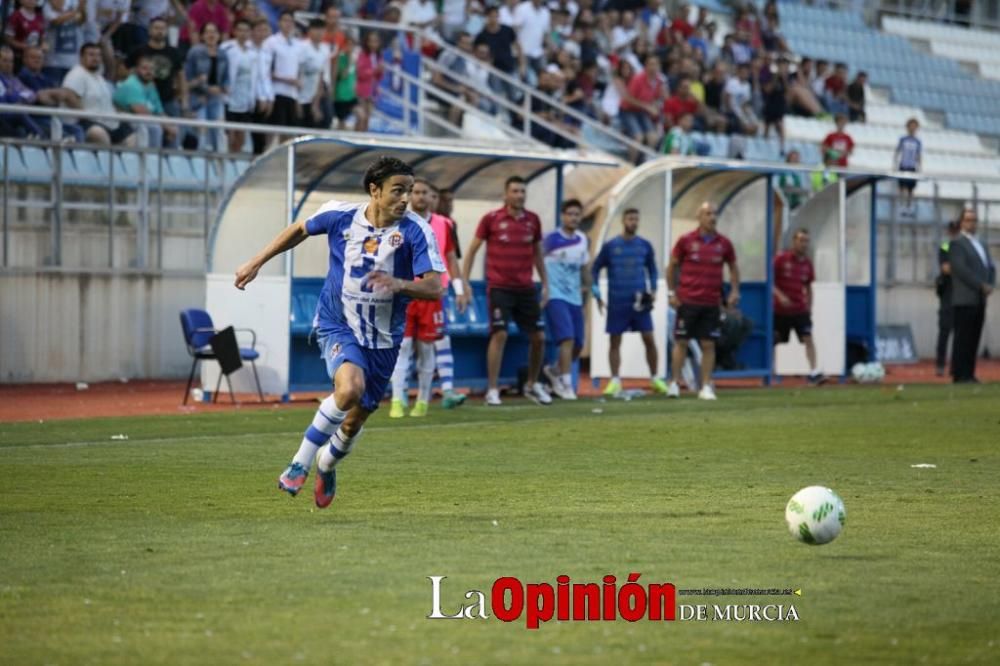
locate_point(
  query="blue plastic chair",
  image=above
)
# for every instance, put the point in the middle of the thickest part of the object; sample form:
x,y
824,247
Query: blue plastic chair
x,y
198,333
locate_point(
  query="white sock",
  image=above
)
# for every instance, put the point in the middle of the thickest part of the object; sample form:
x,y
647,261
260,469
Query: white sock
x,y
401,372
814,370
340,446
425,370
616,379
325,422
445,364
567,380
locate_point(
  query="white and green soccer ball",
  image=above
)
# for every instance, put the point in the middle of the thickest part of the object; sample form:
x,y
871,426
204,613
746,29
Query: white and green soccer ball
x,y
868,373
815,515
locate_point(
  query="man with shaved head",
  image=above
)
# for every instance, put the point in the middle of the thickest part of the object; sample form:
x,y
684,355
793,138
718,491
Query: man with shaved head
x,y
696,295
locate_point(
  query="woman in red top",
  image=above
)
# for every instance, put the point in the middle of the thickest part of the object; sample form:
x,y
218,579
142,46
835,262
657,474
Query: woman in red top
x,y
370,69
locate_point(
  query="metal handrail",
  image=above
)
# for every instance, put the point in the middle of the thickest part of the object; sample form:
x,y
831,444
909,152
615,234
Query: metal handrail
x,y
526,91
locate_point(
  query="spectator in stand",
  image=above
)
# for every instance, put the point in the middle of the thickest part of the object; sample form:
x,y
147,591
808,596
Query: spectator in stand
x,y
770,30
109,17
506,11
738,102
683,101
137,94
736,52
836,89
856,98
92,93
551,83
715,85
273,9
504,48
801,99
203,12
908,157
243,65
825,176
624,35
370,68
532,21
642,105
144,12
775,88
206,71
457,64
839,142
817,83
485,86
64,35
333,34
614,93
25,27
679,141
314,75
454,18
421,14
265,88
345,77
31,88
792,183
748,27
168,68
286,59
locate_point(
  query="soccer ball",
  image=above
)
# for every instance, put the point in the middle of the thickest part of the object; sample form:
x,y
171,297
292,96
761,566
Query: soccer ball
x,y
815,515
868,373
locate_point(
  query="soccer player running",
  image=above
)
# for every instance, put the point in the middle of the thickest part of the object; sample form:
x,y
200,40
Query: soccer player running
x,y
631,264
699,256
513,238
376,250
425,319
566,257
793,296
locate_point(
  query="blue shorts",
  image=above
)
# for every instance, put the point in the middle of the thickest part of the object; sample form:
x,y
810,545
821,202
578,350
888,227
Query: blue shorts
x,y
565,322
377,365
622,319
635,124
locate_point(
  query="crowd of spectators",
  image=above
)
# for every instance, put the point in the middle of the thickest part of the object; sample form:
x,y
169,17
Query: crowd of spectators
x,y
655,70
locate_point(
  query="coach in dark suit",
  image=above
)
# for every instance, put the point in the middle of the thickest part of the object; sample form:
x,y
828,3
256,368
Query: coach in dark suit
x,y
973,275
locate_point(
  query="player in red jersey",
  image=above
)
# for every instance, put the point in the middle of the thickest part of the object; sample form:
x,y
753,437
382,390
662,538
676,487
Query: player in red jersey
x,y
699,257
793,278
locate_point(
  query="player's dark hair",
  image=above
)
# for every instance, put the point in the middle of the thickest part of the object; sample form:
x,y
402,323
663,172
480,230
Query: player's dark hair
x,y
424,181
287,13
630,211
571,203
317,23
89,45
514,179
384,168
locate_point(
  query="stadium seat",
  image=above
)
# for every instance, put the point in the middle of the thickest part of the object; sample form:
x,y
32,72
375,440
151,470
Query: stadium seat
x,y
199,332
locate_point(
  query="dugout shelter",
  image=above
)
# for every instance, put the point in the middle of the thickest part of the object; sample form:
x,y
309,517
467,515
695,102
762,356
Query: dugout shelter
x,y
756,216
291,181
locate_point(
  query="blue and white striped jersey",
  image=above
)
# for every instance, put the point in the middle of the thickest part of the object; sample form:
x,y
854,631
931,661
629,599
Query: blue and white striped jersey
x,y
404,250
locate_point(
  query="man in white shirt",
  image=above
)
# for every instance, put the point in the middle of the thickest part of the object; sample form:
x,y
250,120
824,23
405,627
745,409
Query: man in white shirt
x,y
89,91
314,75
738,100
532,21
286,59
264,92
420,14
244,70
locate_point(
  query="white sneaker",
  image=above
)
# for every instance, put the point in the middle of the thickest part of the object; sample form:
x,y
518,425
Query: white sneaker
x,y
552,374
563,392
493,398
674,390
539,395
706,393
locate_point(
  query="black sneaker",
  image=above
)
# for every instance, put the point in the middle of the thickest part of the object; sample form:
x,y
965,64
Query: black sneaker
x,y
817,379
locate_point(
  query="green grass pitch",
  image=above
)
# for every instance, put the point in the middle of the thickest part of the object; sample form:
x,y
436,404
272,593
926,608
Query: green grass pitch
x,y
175,547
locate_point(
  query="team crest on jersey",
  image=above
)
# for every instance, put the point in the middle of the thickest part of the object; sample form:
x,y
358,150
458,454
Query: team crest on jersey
x,y
335,350
347,235
371,245
396,239
695,246
503,225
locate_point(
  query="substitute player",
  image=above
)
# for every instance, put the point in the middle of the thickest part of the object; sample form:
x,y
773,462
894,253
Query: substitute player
x,y
793,278
376,250
699,256
566,257
631,264
425,319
